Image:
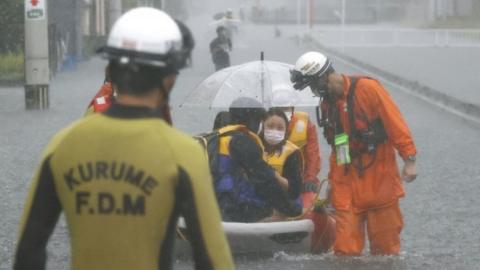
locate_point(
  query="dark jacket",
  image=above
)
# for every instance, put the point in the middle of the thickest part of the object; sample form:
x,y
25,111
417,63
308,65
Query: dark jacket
x,y
219,49
250,190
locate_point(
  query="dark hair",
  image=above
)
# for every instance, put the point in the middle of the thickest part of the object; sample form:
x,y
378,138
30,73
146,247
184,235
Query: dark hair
x,y
221,119
246,111
275,111
221,28
136,79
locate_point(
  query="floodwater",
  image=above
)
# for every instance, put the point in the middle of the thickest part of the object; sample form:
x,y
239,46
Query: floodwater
x,y
441,213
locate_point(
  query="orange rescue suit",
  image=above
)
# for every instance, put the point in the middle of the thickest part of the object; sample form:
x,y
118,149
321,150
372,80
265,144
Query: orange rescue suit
x,y
372,197
104,98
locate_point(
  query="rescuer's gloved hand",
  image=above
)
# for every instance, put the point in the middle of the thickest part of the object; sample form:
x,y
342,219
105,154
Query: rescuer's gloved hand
x,y
409,172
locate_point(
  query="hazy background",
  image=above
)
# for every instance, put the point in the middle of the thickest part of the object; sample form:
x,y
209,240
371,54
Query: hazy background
x,y
424,51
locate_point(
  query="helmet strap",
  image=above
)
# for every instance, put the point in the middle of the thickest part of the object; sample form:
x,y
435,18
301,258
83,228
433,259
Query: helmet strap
x,y
165,95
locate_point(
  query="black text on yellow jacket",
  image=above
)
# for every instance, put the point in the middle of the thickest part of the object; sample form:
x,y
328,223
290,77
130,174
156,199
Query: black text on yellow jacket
x,y
122,184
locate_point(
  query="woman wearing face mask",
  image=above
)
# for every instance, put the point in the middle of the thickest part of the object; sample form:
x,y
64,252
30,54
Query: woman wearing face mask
x,y
282,155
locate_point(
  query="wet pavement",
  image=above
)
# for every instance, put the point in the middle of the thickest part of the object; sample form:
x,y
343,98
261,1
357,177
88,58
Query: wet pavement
x,y
441,213
450,70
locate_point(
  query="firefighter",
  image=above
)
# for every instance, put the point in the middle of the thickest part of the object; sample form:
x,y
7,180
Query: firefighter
x,y
364,127
123,177
106,95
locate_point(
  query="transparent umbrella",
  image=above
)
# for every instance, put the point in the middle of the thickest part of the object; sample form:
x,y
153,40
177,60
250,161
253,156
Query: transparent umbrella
x,y
261,80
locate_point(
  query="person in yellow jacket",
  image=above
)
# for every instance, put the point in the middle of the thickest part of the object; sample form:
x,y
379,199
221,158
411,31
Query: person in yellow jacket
x,y
302,132
123,177
284,156
247,188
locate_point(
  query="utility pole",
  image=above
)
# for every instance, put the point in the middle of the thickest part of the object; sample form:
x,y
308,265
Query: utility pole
x,y
37,72
114,12
78,32
344,14
299,14
310,14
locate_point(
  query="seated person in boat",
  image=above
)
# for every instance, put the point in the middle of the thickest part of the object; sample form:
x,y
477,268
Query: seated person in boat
x,y
284,156
302,132
247,188
221,119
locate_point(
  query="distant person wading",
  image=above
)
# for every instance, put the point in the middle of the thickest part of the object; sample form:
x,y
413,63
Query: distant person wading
x,y
220,48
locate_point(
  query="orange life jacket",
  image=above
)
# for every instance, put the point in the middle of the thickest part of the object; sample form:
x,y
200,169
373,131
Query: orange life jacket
x,y
364,134
298,129
104,98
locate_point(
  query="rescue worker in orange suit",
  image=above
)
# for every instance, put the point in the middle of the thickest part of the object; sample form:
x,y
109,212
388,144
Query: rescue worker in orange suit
x,y
106,95
303,133
364,128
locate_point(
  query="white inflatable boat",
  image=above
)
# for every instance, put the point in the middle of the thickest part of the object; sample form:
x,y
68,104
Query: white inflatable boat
x,y
261,238
314,234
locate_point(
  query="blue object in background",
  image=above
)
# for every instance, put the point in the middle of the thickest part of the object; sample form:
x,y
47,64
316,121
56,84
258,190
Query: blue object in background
x,y
70,63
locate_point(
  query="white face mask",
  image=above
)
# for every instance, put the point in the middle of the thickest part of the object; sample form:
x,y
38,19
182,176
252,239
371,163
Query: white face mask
x,y
260,127
289,115
273,137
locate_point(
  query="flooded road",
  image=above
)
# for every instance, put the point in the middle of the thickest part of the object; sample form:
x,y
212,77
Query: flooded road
x,y
441,213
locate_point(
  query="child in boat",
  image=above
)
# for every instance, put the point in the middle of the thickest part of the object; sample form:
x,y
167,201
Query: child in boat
x,y
284,156
246,186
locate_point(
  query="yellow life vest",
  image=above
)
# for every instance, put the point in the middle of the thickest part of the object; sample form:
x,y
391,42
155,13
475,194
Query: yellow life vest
x,y
225,140
277,161
298,129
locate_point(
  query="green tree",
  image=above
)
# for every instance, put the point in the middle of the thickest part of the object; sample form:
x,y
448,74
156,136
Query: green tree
x,y
11,25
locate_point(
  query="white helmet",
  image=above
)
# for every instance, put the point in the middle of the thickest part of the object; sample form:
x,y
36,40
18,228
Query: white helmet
x,y
229,13
307,66
147,36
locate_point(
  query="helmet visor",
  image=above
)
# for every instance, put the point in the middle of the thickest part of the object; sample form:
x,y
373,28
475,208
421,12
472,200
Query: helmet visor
x,y
128,56
299,80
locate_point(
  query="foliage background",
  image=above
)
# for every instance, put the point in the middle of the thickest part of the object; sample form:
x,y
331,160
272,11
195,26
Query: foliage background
x,y
11,26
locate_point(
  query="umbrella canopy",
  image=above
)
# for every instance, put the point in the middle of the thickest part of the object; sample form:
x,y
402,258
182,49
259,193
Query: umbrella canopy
x,y
225,22
268,82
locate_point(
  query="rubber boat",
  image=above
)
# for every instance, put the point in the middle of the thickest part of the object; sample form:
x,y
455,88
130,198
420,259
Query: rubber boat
x,y
314,233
